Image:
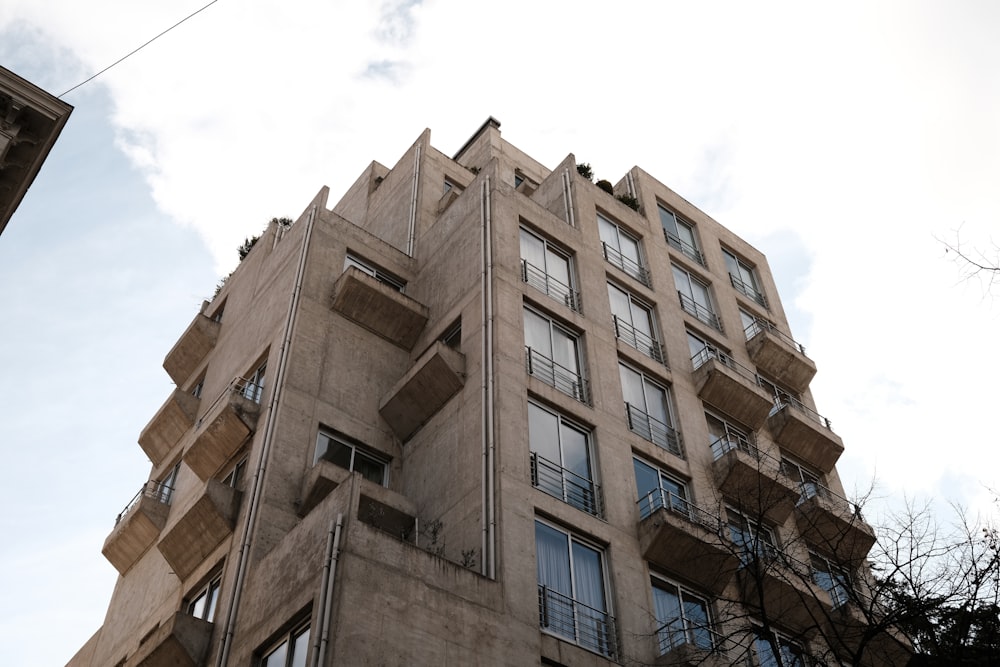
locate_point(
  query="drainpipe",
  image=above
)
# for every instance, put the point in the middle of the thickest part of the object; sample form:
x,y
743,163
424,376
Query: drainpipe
x,y
568,199
488,389
326,594
413,204
258,478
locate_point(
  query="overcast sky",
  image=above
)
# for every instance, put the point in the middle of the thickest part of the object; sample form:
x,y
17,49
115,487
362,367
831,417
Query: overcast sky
x,y
842,141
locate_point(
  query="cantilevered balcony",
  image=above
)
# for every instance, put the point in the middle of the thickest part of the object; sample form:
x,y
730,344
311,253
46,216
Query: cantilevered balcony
x,y
850,627
138,526
168,425
437,375
804,434
191,348
731,387
833,524
775,585
224,427
778,355
752,479
180,641
203,526
378,307
686,540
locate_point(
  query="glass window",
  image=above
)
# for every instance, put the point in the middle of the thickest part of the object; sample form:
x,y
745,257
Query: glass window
x,y
695,297
724,436
290,651
682,617
680,234
648,410
634,323
753,539
553,355
253,388
830,578
561,459
809,481
659,489
621,249
235,476
375,272
548,269
764,647
571,590
164,488
341,451
744,277
202,604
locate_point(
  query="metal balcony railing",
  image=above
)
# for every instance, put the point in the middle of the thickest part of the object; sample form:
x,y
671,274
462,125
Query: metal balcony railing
x,y
663,499
627,265
652,429
572,489
158,491
817,490
748,290
565,380
591,628
546,284
689,250
241,386
677,632
759,325
699,311
783,400
710,352
632,337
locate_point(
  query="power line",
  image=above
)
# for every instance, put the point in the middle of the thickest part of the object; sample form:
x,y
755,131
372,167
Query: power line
x,y
134,51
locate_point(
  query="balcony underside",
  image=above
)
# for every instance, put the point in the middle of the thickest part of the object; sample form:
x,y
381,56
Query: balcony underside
x,y
221,434
379,308
135,533
433,380
781,361
805,438
687,549
183,641
829,524
191,348
769,588
320,481
754,485
733,394
202,528
168,425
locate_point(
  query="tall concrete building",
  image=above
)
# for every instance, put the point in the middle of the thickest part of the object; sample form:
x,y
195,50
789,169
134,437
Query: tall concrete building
x,y
485,412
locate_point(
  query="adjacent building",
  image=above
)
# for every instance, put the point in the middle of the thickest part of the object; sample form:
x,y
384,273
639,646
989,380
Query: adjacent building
x,y
481,411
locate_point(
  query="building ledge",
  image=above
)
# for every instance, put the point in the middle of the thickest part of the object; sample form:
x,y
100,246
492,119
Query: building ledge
x,y
183,641
320,481
771,587
229,421
755,484
379,308
733,392
191,348
688,549
780,357
209,521
168,425
804,436
136,528
436,376
834,526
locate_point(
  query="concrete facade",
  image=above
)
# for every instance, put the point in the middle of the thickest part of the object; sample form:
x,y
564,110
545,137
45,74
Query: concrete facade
x,y
458,472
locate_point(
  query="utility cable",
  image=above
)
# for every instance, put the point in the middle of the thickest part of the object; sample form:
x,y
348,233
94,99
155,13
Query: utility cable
x,y
134,51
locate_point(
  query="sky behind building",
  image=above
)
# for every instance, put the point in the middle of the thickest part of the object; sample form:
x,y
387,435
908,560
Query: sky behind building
x,y
842,141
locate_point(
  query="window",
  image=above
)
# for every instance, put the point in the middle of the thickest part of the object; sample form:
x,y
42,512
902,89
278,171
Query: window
x,y
621,249
291,650
572,599
648,410
553,355
695,298
753,539
634,323
340,450
808,481
450,185
782,395
217,316
724,436
253,388
235,476
560,460
744,277
198,388
680,234
764,646
164,488
375,272
452,336
548,269
202,603
682,617
658,489
830,578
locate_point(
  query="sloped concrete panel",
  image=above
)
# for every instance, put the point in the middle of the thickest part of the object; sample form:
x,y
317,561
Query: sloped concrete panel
x,y
221,432
135,532
435,378
729,391
778,359
209,521
191,348
830,524
755,483
183,641
379,308
168,425
803,436
688,549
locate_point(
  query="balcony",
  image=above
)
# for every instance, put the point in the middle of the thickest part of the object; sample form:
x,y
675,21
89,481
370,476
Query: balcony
x,y
752,479
804,434
689,250
834,524
779,356
168,425
224,427
202,528
567,486
748,290
849,627
191,348
546,284
773,584
137,526
591,628
436,376
636,339
652,429
685,539
731,387
564,379
379,308
183,641
699,312
683,644
629,266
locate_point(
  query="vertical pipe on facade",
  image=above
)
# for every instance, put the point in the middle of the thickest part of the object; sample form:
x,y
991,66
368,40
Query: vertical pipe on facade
x,y
412,233
489,435
258,478
322,591
568,199
326,595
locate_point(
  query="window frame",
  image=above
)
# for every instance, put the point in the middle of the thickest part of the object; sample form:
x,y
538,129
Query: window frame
x,y
627,332
209,592
611,235
290,639
638,421
661,497
253,386
373,456
541,278
575,489
375,271
751,530
690,249
838,582
746,279
685,282
759,638
684,597
570,381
